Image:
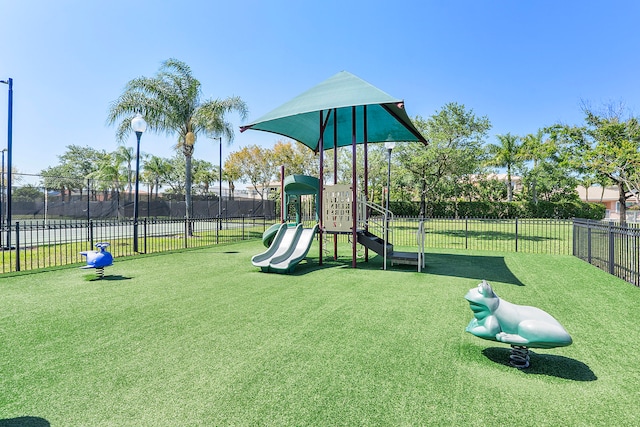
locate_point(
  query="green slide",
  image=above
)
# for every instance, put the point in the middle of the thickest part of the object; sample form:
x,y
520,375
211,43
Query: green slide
x,y
289,247
287,262
270,234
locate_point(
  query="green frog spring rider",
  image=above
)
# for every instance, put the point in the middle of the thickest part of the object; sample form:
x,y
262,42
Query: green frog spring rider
x,y
520,326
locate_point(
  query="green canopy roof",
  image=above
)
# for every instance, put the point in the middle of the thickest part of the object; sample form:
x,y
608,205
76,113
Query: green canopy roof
x,y
335,99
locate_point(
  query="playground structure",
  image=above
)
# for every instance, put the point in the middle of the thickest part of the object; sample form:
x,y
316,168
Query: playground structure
x,y
288,242
344,111
98,259
520,326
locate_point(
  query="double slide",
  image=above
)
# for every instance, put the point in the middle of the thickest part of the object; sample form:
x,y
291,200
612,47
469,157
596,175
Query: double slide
x,y
289,246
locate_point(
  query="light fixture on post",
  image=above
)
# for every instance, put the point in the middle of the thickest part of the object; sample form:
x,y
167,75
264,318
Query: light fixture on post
x,y
9,82
389,145
139,126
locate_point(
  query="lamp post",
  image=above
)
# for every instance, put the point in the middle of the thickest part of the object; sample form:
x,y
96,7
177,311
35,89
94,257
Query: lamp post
x,y
139,126
9,82
220,182
389,145
2,196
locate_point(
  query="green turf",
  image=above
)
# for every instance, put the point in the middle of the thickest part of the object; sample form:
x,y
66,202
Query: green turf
x,y
201,337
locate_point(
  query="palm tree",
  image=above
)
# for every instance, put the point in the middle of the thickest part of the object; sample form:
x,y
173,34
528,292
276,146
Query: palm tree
x,y
505,155
156,169
536,149
126,155
108,173
170,103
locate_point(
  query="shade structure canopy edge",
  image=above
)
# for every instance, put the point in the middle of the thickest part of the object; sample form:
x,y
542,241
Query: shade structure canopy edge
x,y
338,100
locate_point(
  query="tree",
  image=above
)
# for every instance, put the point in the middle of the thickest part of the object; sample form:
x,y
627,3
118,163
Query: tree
x,y
608,145
534,149
170,102
27,193
377,173
455,137
232,172
505,154
204,174
156,172
108,174
125,155
296,158
77,164
254,164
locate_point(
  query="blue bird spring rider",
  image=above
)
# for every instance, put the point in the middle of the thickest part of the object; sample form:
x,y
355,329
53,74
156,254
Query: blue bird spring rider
x,y
98,259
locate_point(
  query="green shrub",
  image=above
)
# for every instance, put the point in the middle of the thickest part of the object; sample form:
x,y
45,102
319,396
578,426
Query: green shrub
x,y
482,209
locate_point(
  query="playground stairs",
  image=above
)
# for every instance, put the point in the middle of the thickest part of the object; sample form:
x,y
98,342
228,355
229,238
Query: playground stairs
x,y
376,244
373,242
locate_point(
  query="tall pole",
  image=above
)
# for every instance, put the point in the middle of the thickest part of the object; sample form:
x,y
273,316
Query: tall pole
x,y
135,200
389,145
2,197
9,82
388,189
220,194
138,125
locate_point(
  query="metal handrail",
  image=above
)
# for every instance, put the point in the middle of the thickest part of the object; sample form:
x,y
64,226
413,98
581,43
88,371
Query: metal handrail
x,y
386,230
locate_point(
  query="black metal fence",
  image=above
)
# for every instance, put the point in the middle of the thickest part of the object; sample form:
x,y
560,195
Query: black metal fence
x,y
35,244
612,247
549,236
31,244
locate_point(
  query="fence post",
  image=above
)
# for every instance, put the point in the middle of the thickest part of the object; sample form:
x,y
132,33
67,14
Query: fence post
x,y
17,245
90,233
186,231
589,241
516,234
574,236
466,232
144,231
242,227
611,250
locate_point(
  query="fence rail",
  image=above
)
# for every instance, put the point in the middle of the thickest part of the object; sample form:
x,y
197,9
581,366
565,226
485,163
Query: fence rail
x,y
614,248
32,244
29,245
551,236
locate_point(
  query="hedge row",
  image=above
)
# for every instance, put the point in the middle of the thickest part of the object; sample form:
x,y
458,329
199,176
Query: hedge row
x,y
541,209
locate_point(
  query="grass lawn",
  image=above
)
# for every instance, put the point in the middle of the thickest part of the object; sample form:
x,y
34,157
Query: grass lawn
x,y
201,337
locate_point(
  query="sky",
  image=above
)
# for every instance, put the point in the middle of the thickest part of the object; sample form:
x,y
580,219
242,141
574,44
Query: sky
x,y
524,64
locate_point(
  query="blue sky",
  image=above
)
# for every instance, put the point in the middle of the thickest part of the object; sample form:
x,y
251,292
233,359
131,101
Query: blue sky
x,y
523,64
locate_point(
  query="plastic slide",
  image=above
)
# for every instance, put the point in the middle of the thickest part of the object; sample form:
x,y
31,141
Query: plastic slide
x,y
287,262
285,238
270,234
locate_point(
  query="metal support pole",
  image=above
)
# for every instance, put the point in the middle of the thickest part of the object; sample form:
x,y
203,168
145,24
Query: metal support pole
x,y
321,183
282,198
365,127
135,200
354,183
88,197
9,82
335,172
2,199
220,195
